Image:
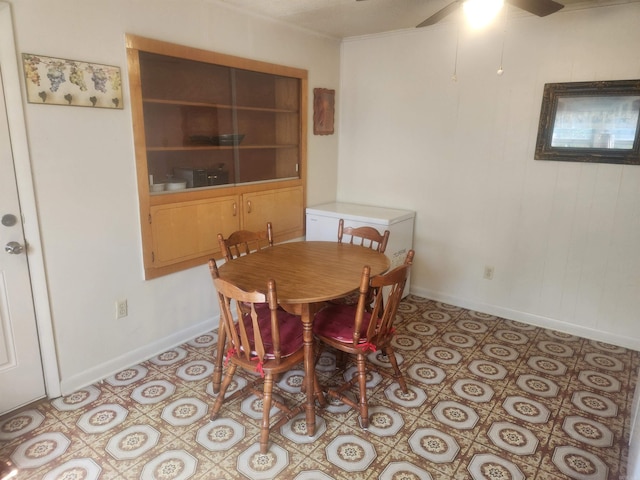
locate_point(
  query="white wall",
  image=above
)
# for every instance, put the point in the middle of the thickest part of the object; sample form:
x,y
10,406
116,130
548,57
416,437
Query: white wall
x,y
563,237
84,174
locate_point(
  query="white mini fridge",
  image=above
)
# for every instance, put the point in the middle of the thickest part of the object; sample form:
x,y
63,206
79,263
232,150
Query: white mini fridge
x,y
322,224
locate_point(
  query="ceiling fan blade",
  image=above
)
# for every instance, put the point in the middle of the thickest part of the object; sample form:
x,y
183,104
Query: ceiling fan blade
x,y
541,8
440,14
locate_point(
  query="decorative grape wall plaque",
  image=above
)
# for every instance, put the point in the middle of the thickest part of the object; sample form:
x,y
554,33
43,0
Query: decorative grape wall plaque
x,y
56,81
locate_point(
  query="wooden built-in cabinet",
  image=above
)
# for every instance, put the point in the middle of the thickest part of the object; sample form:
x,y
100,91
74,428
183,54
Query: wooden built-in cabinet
x,y
185,231
233,129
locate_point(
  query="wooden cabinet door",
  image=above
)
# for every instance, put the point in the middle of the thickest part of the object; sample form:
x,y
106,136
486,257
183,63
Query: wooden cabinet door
x,y
284,208
188,230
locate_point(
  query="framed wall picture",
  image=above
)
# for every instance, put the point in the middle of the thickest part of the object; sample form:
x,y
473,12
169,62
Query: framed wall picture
x,y
57,81
590,122
323,111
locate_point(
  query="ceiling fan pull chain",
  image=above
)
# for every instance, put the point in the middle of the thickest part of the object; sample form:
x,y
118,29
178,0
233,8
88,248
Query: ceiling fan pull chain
x,y
454,77
504,36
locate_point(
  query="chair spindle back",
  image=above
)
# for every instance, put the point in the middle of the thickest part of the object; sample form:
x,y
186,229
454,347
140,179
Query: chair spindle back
x,y
365,236
243,242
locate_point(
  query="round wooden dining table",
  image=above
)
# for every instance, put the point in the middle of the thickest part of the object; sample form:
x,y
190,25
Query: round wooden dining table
x,y
306,275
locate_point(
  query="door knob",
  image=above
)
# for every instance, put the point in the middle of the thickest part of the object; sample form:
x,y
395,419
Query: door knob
x,y
14,248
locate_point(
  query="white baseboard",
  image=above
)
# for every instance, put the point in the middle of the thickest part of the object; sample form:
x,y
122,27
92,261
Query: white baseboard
x,y
531,319
102,371
99,372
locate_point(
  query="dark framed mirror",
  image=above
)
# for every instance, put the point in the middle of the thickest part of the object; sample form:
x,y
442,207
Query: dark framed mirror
x,y
590,122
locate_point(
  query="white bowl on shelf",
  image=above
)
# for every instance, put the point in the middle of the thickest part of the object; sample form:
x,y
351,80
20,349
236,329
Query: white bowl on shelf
x,y
177,185
157,187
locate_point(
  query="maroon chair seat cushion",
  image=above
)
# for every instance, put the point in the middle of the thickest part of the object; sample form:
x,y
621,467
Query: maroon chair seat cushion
x,y
337,322
290,330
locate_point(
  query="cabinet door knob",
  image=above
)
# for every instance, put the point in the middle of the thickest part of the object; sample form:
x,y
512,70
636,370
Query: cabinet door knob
x,y
235,209
248,206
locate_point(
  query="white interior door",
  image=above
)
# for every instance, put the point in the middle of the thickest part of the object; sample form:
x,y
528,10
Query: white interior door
x,y
21,375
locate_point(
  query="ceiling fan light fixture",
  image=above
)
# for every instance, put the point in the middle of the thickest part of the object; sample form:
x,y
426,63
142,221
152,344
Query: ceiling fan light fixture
x,y
480,13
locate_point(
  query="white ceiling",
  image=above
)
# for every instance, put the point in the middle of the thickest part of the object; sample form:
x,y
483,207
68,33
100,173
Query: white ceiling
x,y
349,18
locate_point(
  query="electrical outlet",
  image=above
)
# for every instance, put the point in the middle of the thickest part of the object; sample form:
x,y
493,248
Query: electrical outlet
x,y
488,272
122,309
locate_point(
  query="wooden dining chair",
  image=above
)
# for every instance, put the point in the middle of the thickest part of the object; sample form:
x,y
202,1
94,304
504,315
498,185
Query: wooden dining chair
x,y
240,242
265,341
366,236
354,330
243,242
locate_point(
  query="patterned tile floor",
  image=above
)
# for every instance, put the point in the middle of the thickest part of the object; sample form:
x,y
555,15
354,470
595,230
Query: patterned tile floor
x,y
489,399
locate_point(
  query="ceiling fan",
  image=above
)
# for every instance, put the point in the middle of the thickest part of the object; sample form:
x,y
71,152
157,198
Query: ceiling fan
x,y
541,8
